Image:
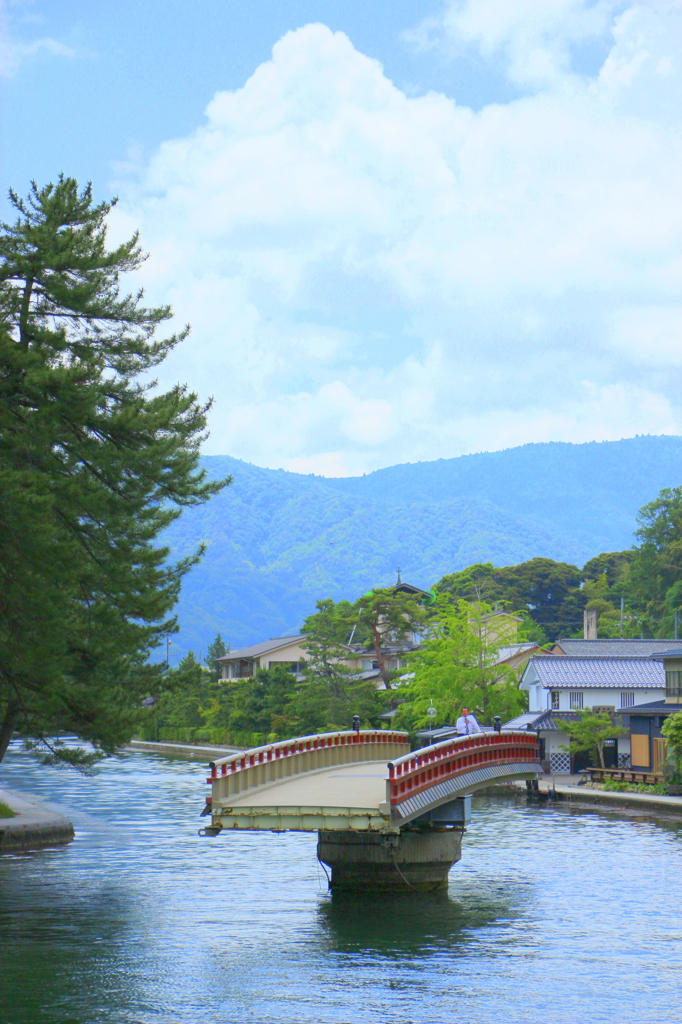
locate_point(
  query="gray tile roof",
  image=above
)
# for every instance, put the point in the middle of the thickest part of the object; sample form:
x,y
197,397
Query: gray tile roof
x,y
557,719
654,707
547,720
618,648
629,673
263,648
513,650
521,721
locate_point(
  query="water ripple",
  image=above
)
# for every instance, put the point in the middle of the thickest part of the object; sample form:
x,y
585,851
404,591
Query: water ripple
x,y
552,915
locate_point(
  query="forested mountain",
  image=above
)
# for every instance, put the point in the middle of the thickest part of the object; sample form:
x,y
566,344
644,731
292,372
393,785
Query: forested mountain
x,y
278,541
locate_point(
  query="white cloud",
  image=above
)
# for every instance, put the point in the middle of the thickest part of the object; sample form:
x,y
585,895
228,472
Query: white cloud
x,y
651,335
15,51
532,38
374,278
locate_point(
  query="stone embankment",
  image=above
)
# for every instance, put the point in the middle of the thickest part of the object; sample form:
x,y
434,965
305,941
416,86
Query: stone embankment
x,y
567,788
182,750
33,826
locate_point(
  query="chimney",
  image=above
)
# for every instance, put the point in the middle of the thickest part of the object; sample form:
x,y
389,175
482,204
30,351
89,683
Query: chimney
x,y
590,624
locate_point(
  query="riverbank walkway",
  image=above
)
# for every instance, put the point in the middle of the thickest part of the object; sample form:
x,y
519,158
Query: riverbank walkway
x,y
33,826
568,788
191,750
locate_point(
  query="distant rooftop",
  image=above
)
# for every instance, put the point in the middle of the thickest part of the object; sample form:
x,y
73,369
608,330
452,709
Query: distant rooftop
x,y
513,650
571,671
654,707
543,720
262,648
617,648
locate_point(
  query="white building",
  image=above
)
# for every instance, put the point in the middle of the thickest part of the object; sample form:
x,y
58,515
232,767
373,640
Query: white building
x,y
560,686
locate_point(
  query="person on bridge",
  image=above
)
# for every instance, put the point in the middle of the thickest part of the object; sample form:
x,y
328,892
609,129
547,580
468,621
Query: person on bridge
x,y
467,724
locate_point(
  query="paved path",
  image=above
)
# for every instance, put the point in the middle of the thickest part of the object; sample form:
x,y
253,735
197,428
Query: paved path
x,y
33,826
361,786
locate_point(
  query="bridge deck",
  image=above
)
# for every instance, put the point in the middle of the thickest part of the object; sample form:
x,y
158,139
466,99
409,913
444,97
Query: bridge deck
x,y
365,781
360,786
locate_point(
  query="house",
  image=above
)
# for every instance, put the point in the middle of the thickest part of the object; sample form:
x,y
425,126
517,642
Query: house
x,y
647,742
279,650
362,659
560,686
614,648
499,626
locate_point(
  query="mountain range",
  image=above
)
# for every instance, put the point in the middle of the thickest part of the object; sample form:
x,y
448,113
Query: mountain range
x,y
276,542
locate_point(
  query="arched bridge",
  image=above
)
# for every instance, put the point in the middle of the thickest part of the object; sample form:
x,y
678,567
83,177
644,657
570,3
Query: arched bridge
x,y
346,785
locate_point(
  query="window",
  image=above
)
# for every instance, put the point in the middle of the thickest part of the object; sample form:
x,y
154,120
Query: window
x,y
673,683
292,666
575,700
555,700
627,700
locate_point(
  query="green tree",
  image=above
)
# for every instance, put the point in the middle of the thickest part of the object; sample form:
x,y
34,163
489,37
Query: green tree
x,y
331,692
590,730
258,703
390,617
457,665
95,463
656,570
606,580
186,694
672,730
549,591
217,649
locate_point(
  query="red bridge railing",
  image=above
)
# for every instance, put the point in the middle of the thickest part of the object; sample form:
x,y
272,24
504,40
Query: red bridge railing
x,y
424,768
303,744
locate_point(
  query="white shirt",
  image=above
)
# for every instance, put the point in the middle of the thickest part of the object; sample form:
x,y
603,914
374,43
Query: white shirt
x,y
467,725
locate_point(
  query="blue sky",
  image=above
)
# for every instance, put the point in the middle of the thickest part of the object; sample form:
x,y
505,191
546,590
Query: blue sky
x,y
400,230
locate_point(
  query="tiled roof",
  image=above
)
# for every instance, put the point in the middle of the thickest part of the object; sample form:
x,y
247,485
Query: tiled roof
x,y
263,648
555,720
557,672
513,650
654,707
618,648
521,721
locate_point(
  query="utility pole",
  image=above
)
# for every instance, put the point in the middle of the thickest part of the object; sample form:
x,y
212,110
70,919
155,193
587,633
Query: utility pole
x,y
622,615
676,620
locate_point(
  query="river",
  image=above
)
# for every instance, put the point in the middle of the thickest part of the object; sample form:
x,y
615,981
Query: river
x,y
552,916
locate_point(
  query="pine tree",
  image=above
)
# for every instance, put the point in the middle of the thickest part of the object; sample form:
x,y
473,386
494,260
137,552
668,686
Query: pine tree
x,y
331,692
216,650
390,617
95,463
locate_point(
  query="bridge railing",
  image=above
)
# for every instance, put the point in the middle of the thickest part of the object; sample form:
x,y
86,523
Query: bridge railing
x,y
261,766
420,770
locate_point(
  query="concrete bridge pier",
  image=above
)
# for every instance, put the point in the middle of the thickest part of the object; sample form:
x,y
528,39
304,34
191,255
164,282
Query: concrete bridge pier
x,y
407,861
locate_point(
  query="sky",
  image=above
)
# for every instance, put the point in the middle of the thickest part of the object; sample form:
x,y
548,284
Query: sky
x,y
401,230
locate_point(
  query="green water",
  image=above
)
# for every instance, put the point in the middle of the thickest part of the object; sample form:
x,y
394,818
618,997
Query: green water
x,y
551,916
